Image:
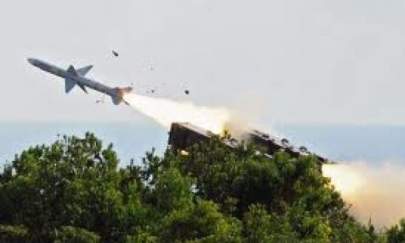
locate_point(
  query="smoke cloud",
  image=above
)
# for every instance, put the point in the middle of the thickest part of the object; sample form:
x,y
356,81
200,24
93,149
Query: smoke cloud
x,y
374,192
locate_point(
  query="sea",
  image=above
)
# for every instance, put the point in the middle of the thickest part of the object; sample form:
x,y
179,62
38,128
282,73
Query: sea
x,y
131,140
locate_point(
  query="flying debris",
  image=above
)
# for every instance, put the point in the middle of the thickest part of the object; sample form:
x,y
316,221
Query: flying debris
x,y
151,91
101,100
75,77
115,53
285,142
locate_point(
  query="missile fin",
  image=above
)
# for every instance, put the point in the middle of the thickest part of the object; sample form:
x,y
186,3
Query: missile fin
x,y
83,88
84,70
72,70
69,85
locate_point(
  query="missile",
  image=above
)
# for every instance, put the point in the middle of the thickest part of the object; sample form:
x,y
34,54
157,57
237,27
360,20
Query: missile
x,y
77,77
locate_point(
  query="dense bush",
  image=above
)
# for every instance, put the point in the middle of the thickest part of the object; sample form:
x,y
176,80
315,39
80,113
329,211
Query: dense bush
x,y
74,191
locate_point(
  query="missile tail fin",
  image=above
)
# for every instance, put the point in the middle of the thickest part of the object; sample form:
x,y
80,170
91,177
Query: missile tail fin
x,y
83,88
69,85
84,70
72,70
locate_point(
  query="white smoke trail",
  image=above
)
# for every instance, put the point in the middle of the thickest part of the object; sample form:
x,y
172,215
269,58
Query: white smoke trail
x,y
165,112
374,192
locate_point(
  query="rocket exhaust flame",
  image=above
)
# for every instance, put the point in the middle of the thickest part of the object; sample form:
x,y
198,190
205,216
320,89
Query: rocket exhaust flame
x,y
165,112
374,192
346,180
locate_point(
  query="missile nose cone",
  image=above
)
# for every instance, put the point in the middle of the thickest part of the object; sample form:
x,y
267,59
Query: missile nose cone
x,y
32,61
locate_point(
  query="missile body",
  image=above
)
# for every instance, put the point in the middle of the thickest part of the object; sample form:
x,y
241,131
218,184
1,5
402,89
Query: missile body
x,y
75,77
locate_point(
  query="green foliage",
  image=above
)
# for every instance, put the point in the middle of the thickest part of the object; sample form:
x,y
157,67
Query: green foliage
x,y
200,223
172,191
74,191
75,235
72,182
260,226
396,233
13,234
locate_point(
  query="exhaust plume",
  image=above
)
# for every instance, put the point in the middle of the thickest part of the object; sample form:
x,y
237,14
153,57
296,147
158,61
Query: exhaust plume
x,y
374,192
165,112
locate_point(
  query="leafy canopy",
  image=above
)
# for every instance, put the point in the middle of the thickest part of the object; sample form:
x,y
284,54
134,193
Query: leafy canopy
x,y
74,191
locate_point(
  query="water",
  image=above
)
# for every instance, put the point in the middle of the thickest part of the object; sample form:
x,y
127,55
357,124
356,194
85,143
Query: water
x,y
374,144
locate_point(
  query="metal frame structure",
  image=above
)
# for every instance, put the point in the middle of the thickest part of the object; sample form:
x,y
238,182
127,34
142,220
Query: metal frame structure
x,y
184,135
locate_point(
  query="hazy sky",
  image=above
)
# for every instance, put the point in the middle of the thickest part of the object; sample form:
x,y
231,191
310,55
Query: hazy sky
x,y
286,61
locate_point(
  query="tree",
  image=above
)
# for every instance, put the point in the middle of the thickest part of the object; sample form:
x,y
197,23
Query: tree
x,y
260,226
396,233
14,234
200,223
75,191
76,235
73,182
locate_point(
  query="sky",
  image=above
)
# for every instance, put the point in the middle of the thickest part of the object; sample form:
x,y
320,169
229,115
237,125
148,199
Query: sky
x,y
288,61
